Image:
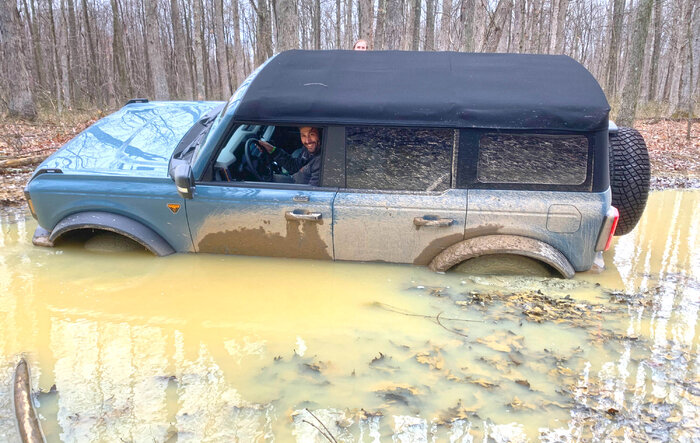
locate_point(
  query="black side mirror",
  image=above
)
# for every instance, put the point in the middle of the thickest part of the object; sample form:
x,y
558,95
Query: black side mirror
x,y
184,179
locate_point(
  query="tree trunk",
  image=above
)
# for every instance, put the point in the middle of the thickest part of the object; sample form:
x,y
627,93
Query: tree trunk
x,y
380,30
118,54
237,51
263,36
494,30
415,27
655,51
445,21
183,88
199,50
338,21
36,45
55,61
317,24
287,25
20,98
558,27
611,76
429,25
221,56
66,76
96,90
155,53
349,37
468,10
74,63
630,92
366,14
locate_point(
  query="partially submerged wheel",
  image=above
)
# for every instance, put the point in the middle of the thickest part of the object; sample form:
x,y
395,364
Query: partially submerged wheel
x,y
110,242
505,264
629,177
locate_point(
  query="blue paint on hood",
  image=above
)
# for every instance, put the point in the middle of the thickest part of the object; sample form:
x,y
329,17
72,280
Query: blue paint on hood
x,y
136,140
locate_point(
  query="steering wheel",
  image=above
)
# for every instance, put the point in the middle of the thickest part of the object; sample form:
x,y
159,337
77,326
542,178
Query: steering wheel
x,y
250,145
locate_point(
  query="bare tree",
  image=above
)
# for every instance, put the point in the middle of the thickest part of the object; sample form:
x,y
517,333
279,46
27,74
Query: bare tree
x,y
467,11
287,25
617,21
655,52
20,98
630,92
365,14
429,25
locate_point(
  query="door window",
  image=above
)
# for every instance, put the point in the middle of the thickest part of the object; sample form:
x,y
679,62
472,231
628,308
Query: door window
x,y
401,159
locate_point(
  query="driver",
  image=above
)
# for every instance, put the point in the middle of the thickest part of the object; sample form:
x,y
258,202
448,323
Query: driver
x,y
305,169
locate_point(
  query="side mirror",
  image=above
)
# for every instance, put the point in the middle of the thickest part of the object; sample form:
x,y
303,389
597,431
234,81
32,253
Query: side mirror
x,y
184,180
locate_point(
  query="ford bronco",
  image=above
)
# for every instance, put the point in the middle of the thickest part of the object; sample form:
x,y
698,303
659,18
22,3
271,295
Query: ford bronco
x,y
430,158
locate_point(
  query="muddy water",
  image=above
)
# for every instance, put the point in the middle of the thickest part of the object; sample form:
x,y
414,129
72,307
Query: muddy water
x,y
124,346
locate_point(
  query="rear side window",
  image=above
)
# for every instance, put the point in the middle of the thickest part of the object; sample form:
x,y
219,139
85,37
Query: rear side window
x,y
532,159
402,159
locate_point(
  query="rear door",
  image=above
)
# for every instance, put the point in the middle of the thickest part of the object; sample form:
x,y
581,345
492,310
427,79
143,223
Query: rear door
x,y
397,204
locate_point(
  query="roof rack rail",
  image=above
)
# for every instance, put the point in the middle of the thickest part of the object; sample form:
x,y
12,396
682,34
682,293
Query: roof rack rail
x,y
137,100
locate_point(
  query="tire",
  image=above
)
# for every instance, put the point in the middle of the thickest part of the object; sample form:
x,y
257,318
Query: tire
x,y
629,177
505,264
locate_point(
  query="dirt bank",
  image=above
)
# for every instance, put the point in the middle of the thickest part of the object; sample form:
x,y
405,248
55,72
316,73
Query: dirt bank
x,y
675,162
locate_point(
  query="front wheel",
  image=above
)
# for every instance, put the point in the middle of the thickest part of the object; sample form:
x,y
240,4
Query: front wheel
x,y
629,177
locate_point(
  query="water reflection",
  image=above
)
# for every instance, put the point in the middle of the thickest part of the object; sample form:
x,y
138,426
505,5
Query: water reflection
x,y
209,348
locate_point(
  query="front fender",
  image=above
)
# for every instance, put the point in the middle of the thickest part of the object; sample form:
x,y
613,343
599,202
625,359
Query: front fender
x,y
116,223
502,244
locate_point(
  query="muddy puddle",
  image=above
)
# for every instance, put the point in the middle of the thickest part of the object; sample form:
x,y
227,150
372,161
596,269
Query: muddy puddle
x,y
127,347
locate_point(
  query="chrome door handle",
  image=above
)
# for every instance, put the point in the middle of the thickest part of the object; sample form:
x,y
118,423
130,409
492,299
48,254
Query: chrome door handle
x,y
297,215
437,222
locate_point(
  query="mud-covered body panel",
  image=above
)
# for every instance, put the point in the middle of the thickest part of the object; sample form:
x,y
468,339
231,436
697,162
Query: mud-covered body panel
x,y
546,216
253,220
376,226
143,199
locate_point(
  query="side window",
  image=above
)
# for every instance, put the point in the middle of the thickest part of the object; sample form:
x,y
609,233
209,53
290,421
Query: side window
x,y
266,153
532,159
405,159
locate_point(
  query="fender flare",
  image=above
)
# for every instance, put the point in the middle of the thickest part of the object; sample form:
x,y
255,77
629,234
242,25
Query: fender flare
x,y
502,244
116,223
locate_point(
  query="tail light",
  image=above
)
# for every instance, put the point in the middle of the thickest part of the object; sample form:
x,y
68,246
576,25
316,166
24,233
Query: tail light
x,y
608,229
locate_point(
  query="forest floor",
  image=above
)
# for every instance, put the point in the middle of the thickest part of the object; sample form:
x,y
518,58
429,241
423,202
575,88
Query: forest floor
x,y
675,161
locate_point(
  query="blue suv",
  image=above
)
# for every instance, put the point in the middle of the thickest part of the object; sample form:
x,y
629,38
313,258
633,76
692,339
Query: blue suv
x,y
403,157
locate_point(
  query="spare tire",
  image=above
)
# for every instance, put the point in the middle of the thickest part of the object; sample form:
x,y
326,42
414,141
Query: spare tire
x,y
629,177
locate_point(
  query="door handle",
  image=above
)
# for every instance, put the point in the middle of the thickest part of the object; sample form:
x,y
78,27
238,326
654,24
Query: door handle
x,y
430,221
297,215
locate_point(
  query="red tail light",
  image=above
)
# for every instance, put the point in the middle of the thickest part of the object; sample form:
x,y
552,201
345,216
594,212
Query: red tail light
x,y
616,217
608,229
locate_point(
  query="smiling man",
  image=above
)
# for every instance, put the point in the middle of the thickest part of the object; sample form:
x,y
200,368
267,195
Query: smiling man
x,y
305,168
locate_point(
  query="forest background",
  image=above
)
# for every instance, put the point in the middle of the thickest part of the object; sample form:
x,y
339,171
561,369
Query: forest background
x,y
65,63
62,55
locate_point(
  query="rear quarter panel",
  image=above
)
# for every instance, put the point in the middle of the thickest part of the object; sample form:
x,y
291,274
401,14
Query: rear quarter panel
x,y
569,221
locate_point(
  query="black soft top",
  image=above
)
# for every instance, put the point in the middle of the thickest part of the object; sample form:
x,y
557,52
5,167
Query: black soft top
x,y
426,89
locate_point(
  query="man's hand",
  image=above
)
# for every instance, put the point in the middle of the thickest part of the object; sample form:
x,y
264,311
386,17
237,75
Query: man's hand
x,y
262,144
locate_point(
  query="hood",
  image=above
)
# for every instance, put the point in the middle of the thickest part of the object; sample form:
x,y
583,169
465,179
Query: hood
x,y
136,140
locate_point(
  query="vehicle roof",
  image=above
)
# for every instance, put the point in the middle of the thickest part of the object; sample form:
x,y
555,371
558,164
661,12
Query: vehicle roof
x,y
426,89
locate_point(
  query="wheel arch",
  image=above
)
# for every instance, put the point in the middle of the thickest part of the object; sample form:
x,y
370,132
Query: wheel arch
x,y
119,224
502,244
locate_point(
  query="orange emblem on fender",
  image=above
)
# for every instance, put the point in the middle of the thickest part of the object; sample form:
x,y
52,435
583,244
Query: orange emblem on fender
x,y
173,207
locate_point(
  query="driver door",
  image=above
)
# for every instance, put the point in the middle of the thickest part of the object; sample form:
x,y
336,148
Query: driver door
x,y
264,219
274,219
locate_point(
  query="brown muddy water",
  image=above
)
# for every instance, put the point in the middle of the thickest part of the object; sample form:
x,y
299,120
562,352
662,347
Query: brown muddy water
x,y
128,347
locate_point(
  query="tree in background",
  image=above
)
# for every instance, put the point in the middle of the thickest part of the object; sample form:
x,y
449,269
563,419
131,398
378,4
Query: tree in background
x,y
98,53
